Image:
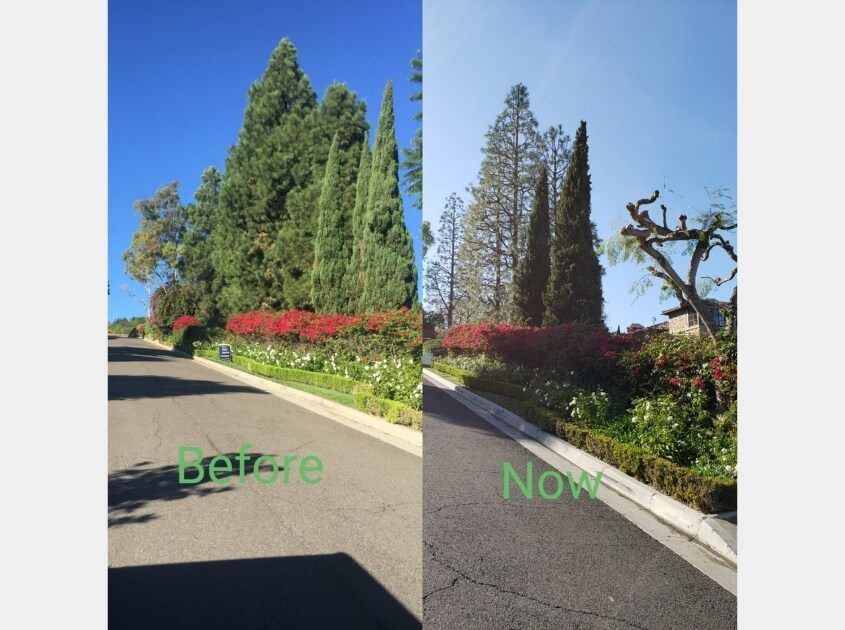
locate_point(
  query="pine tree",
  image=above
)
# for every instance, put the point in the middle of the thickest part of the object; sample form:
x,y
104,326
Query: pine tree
x,y
532,272
493,236
574,292
390,273
269,161
331,246
197,262
354,280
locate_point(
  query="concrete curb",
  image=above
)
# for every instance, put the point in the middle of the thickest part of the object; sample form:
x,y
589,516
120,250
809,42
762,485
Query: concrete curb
x,y
401,437
698,526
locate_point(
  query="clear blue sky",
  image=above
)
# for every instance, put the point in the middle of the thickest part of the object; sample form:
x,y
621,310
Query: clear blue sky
x,y
178,75
654,80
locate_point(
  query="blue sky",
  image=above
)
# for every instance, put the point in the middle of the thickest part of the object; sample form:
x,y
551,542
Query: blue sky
x,y
178,75
654,80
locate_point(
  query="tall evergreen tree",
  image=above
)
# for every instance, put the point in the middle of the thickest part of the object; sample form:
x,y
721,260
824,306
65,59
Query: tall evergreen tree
x,y
413,162
197,266
574,292
533,270
355,271
269,161
494,240
340,115
331,246
390,272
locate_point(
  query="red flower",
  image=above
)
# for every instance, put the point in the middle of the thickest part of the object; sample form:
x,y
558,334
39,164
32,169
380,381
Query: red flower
x,y
185,321
675,381
697,381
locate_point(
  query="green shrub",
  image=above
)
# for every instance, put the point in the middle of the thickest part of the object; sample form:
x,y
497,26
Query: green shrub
x,y
320,379
391,410
483,384
184,338
705,493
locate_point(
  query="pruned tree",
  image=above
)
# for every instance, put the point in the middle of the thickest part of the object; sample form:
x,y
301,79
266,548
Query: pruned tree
x,y
647,238
443,275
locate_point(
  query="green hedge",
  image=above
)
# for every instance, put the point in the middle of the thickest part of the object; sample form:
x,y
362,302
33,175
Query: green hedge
x,y
482,384
391,410
707,494
320,379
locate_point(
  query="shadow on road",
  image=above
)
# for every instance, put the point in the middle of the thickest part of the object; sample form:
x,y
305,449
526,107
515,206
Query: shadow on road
x,y
137,353
125,387
132,489
323,591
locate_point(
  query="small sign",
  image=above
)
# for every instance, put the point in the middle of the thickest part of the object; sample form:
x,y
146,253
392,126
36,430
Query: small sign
x,y
224,351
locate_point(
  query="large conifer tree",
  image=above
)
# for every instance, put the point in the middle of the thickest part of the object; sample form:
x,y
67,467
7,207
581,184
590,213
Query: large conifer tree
x,y
331,246
267,163
532,272
354,273
390,273
574,292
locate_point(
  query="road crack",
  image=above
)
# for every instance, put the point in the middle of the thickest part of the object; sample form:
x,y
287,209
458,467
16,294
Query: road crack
x,y
499,589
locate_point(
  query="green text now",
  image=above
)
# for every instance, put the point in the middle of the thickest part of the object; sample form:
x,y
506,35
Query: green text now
x,y
527,486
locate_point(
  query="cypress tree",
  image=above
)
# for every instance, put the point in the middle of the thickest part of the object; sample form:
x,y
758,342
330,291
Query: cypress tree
x,y
354,274
331,246
340,115
390,273
574,292
533,270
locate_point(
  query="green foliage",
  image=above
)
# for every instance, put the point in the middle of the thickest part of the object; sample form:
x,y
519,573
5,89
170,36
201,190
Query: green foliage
x,y
331,247
702,491
390,273
122,325
574,292
532,272
169,303
267,167
354,279
197,267
155,251
391,410
185,338
413,160
482,384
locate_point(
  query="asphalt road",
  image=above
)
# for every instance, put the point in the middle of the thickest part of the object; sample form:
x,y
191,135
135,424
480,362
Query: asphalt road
x,y
536,563
342,552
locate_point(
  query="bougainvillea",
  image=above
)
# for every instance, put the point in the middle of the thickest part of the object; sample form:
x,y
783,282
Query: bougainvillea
x,y
185,321
587,352
402,327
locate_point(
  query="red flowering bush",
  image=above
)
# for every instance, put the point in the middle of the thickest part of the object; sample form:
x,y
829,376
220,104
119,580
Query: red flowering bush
x,y
391,330
685,366
588,353
185,321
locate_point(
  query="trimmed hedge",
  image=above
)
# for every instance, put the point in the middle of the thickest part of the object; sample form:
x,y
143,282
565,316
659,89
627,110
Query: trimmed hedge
x,y
707,494
482,384
320,379
393,411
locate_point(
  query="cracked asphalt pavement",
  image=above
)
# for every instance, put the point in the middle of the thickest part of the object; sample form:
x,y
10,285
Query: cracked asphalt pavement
x,y
344,552
536,563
